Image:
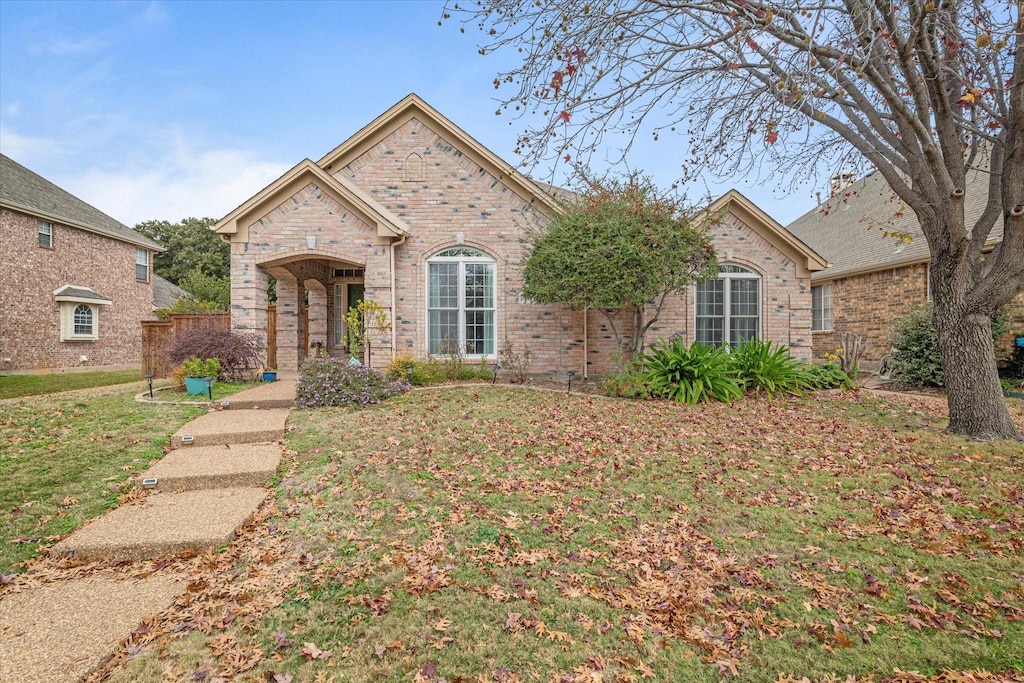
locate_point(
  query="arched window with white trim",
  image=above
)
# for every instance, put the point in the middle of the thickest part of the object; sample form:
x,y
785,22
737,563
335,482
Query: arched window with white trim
x,y
461,303
729,307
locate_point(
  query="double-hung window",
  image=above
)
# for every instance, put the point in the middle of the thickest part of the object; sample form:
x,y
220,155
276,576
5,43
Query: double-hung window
x,y
142,265
729,307
461,303
821,307
45,233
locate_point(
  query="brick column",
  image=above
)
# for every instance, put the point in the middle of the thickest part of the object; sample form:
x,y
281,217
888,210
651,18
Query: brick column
x,y
317,312
248,294
289,320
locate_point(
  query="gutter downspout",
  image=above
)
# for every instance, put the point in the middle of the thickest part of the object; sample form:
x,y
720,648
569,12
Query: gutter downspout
x,y
394,298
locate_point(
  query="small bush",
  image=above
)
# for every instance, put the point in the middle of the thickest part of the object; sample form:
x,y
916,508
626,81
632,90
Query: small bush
x,y
517,363
916,358
760,368
178,379
626,381
1015,363
828,376
691,375
201,367
423,374
333,382
240,355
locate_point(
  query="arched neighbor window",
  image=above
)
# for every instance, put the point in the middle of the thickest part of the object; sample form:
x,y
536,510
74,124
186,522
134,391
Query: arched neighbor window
x,y
460,302
729,308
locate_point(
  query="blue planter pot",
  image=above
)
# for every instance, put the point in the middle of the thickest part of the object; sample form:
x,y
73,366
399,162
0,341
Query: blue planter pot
x,y
269,376
195,385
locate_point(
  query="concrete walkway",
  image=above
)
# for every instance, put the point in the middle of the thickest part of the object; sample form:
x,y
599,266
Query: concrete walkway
x,y
196,498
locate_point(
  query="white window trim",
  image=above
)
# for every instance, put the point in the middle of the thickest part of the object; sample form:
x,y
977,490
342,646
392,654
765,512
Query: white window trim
x,y
750,274
143,252
486,259
48,233
67,321
826,325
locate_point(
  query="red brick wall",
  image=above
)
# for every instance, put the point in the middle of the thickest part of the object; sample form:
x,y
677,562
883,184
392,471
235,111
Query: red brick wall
x,y
30,318
869,304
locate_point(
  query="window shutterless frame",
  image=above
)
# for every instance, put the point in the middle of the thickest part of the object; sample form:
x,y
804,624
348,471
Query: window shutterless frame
x,y
44,233
461,303
728,308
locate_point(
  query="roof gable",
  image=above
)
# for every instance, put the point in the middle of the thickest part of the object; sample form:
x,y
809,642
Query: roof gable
x,y
412,106
28,192
767,227
342,190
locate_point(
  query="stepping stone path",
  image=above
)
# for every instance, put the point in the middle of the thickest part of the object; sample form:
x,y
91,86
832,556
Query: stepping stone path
x,y
197,497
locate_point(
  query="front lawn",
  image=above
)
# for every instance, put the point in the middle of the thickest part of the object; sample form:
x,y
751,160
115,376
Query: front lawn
x,y
13,386
490,534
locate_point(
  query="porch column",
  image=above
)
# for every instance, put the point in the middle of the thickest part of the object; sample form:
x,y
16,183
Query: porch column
x,y
289,318
317,312
248,294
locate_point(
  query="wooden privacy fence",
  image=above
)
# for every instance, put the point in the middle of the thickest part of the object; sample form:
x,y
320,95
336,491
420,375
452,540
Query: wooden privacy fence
x,y
156,334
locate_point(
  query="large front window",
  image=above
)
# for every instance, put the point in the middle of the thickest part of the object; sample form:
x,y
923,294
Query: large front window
x,y
460,303
729,308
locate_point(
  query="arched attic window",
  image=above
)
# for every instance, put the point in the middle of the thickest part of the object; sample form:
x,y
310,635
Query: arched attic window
x,y
461,303
413,168
729,307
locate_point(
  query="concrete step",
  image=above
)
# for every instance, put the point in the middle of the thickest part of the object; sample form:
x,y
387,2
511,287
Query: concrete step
x,y
232,427
279,394
213,467
164,524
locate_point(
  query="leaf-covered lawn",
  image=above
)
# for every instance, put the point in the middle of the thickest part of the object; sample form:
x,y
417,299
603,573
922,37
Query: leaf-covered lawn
x,y
504,535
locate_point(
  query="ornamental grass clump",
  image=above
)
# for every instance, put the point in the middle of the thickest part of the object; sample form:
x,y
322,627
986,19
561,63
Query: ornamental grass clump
x,y
764,368
332,382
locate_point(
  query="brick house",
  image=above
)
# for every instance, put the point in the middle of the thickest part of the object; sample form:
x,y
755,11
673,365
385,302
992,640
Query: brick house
x,y
75,284
874,279
413,213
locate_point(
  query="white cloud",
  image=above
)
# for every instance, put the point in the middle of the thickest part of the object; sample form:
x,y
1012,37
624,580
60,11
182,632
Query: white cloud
x,y
25,148
13,109
204,184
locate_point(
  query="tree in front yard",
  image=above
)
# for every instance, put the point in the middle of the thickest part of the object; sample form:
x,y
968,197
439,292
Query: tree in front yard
x,y
924,92
618,246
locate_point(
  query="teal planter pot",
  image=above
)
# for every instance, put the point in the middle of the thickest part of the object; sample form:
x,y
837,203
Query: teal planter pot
x,y
195,385
269,376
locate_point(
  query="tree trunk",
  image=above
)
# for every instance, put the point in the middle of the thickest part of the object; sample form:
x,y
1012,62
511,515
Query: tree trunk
x,y
977,408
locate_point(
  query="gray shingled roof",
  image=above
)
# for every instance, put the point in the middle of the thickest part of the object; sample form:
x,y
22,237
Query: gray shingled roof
x,y
165,292
848,232
23,190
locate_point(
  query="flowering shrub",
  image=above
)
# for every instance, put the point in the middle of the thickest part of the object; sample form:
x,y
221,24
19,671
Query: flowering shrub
x,y
333,382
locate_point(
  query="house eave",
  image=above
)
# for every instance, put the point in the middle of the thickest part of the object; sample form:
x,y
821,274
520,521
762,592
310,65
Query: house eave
x,y
62,220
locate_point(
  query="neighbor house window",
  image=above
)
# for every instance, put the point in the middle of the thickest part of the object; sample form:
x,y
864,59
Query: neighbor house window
x,y
461,303
821,307
729,307
142,265
79,322
83,321
45,234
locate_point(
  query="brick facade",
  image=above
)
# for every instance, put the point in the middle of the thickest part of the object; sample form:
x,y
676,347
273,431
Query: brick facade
x,y
868,304
432,181
30,334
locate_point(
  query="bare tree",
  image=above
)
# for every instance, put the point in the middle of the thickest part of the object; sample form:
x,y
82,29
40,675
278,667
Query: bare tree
x,y
924,91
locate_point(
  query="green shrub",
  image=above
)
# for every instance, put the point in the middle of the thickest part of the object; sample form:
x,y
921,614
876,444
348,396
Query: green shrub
x,y
333,382
916,358
1015,363
626,381
828,376
201,367
760,368
691,375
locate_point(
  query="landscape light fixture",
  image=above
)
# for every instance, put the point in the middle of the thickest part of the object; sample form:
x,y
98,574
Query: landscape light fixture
x,y
408,371
209,386
571,373
149,378
497,366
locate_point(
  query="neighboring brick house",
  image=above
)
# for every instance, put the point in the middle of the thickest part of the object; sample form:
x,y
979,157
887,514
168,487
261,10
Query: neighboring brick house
x,y
416,215
874,279
75,284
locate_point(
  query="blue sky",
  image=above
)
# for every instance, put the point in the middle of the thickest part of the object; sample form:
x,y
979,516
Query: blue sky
x,y
164,110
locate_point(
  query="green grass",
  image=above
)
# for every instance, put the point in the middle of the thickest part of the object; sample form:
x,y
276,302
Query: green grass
x,y
14,386
64,459
488,534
